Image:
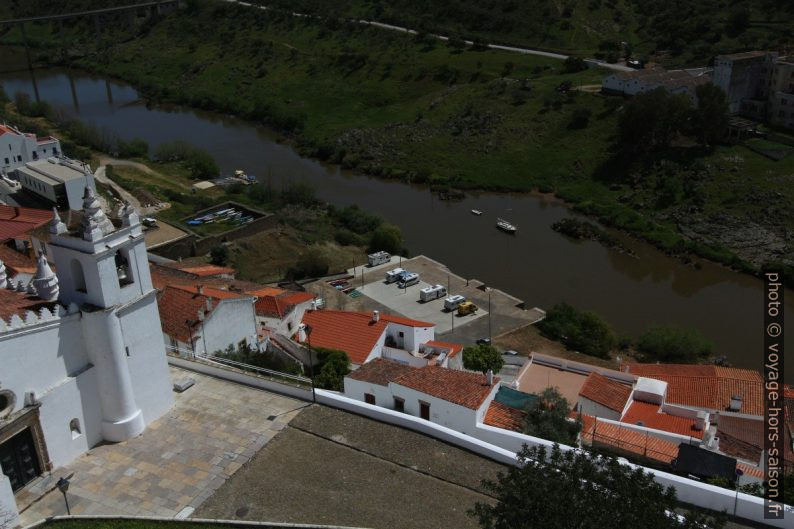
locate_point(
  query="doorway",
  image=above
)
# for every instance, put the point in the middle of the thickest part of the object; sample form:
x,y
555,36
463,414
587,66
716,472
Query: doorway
x,y
19,460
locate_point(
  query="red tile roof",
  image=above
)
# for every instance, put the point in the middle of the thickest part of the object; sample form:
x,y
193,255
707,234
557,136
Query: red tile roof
x,y
12,302
455,347
179,311
277,302
503,416
740,437
380,372
605,391
651,416
15,222
391,318
707,386
212,292
207,270
458,387
16,262
627,440
352,332
750,470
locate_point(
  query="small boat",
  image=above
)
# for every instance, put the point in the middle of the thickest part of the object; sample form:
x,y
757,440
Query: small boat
x,y
476,212
505,226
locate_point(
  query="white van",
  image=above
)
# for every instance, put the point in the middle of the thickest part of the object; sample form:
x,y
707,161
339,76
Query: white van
x,y
434,292
452,302
394,275
408,279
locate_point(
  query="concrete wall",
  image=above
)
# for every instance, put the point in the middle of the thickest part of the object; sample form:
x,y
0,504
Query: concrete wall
x,y
355,389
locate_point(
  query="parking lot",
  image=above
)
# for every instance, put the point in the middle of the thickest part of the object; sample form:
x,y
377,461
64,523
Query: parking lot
x,y
507,313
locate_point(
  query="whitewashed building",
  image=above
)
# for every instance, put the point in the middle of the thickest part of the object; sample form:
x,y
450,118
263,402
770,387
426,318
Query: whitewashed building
x,y
449,397
60,181
17,148
79,363
204,320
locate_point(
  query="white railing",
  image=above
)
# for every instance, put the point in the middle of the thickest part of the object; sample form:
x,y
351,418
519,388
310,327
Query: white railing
x,y
212,359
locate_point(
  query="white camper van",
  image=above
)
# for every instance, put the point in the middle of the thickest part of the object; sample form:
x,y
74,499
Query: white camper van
x,y
378,258
408,279
434,292
395,275
452,302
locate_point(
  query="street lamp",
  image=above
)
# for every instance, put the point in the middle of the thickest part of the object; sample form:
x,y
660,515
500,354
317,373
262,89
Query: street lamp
x,y
308,330
63,486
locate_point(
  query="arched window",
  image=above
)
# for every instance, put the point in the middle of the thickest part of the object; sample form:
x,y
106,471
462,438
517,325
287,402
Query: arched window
x,y
7,401
77,276
123,269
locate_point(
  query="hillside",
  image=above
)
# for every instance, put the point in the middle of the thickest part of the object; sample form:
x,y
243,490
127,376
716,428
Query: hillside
x,y
425,111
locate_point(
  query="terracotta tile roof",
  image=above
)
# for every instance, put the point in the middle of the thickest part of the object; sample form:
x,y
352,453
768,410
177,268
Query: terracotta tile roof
x,y
179,311
12,302
740,437
627,440
391,318
16,262
605,391
455,347
750,470
207,270
266,291
458,387
16,222
707,386
163,275
503,416
380,372
352,332
651,416
211,292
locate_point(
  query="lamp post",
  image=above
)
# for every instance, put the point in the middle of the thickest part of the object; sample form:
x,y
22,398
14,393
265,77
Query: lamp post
x,y
63,486
308,330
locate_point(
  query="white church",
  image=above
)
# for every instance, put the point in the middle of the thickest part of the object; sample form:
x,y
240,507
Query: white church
x,y
82,358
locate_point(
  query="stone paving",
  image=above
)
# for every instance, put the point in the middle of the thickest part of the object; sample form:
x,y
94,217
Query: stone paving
x,y
214,428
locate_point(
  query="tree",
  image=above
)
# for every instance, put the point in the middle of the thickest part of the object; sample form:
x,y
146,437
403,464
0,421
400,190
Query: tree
x,y
387,238
335,366
577,489
573,64
202,165
219,255
666,343
580,330
711,115
312,263
651,120
580,118
482,357
135,148
547,418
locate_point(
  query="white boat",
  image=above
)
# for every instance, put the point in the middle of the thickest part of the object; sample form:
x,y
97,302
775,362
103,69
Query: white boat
x,y
476,212
505,226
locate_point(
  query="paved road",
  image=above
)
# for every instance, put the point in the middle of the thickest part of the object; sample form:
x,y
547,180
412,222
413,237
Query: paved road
x,y
514,49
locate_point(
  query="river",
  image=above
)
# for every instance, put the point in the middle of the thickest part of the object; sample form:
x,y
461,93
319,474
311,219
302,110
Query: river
x,y
537,265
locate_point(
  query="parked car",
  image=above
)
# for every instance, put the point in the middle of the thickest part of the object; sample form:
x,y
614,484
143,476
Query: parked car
x,y
484,341
466,308
509,352
452,302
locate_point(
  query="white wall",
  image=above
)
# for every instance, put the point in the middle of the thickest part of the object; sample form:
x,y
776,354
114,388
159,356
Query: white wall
x,y
412,336
75,398
590,407
8,506
355,389
229,323
459,418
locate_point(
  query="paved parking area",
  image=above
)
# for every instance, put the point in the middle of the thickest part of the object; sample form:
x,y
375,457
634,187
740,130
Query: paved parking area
x,y
406,302
213,429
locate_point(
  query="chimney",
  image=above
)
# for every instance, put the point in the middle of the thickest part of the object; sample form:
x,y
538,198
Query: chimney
x,y
200,289
200,315
489,377
736,403
314,304
700,420
375,316
302,332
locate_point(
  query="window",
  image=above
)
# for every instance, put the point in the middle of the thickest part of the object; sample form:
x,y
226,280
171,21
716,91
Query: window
x,y
369,398
399,404
78,278
424,410
123,269
7,402
74,426
7,162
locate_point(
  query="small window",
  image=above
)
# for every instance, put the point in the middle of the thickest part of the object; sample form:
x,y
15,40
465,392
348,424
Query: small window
x,y
399,404
127,350
74,426
369,398
424,410
7,162
402,334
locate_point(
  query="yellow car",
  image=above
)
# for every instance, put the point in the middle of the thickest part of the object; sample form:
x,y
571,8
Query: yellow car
x,y
467,307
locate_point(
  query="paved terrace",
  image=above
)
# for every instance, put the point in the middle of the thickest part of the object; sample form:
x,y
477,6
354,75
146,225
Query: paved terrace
x,y
180,460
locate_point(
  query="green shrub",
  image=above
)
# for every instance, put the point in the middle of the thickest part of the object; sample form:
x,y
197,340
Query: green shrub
x,y
665,343
580,330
